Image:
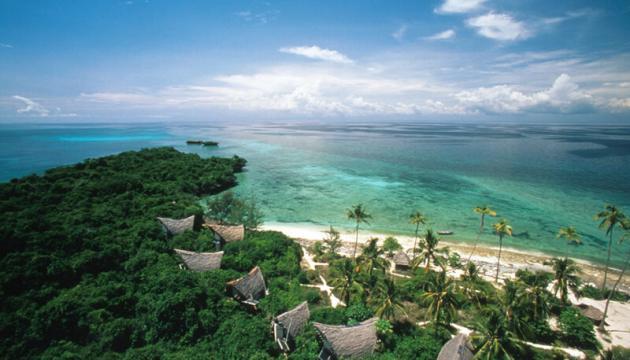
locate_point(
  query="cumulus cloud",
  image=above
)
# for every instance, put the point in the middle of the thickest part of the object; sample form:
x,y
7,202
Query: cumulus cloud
x,y
502,27
459,6
444,35
315,52
31,107
563,96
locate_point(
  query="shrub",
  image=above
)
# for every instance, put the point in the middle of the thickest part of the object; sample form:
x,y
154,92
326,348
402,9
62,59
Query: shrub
x,y
577,330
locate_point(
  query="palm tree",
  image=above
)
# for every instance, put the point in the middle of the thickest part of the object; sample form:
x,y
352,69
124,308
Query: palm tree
x,y
371,258
565,277
610,217
570,235
471,284
440,296
417,219
429,251
388,303
359,215
494,340
332,241
502,228
482,211
512,305
626,226
343,279
536,297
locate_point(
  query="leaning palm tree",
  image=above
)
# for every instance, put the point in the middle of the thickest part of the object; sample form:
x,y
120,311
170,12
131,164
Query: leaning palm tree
x,y
626,226
343,279
387,301
359,215
502,228
482,211
565,277
417,219
610,217
441,298
429,252
494,341
570,235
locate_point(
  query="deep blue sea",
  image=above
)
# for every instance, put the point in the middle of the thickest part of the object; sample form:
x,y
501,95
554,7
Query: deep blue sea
x,y
539,177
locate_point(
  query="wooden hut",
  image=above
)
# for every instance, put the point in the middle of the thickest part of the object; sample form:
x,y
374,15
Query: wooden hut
x,y
457,348
177,226
591,312
224,234
340,341
287,325
402,261
249,288
200,261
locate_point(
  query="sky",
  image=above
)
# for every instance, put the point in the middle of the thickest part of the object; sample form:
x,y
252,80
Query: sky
x,y
364,59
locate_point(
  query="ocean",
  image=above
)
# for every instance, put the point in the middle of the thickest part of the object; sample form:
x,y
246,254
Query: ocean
x,y
539,177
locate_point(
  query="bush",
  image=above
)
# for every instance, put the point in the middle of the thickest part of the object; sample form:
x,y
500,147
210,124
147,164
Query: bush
x,y
357,313
327,315
577,330
596,293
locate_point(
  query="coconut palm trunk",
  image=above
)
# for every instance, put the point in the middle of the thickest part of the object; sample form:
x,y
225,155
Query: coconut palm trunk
x,y
478,237
415,240
356,241
496,278
623,272
610,240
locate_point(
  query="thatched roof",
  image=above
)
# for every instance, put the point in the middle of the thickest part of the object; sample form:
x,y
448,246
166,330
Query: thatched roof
x,y
591,312
228,233
200,261
249,287
349,341
456,349
401,259
295,319
177,226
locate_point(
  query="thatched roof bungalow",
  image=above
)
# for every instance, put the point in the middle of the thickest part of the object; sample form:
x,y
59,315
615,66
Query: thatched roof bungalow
x,y
250,288
287,325
402,261
591,312
340,341
456,349
177,226
200,261
226,233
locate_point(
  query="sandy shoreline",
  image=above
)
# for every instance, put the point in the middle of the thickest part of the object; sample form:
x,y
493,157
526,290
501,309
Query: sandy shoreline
x,y
485,256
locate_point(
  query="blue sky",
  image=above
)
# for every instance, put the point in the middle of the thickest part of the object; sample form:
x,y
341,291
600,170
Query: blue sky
x,y
151,59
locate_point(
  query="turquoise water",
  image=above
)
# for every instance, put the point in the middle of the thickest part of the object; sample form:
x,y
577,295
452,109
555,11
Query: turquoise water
x,y
539,177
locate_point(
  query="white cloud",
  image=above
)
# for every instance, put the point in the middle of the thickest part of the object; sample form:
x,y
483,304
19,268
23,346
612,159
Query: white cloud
x,y
502,27
262,17
121,98
31,107
400,33
563,96
6,46
459,6
315,52
444,35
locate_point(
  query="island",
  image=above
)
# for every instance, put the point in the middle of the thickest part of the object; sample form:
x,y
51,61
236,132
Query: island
x,y
202,142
